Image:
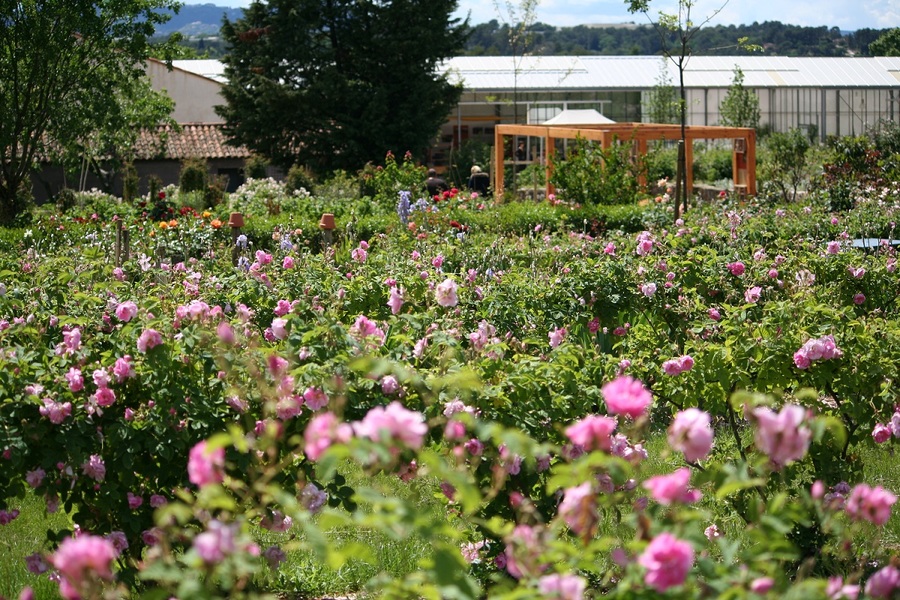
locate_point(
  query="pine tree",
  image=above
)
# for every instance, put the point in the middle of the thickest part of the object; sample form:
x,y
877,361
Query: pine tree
x,y
334,84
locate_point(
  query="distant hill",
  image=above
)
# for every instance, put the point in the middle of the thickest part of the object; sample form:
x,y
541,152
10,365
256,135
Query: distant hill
x,y
492,38
199,19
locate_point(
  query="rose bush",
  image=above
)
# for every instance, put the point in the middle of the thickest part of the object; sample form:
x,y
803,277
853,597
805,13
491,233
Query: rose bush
x,y
175,408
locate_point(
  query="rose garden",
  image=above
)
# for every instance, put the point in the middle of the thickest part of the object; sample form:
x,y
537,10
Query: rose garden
x,y
454,397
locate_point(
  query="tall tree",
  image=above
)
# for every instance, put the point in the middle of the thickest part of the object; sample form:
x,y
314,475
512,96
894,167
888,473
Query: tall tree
x,y
333,84
888,44
740,106
677,32
61,63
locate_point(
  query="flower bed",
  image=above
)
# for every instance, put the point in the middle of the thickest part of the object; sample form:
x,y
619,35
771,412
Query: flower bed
x,y
178,404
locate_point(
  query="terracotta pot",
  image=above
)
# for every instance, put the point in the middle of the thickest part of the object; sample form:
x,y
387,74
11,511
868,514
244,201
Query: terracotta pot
x,y
236,220
327,221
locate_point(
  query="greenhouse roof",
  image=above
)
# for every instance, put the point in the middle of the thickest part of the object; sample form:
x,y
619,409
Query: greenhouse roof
x,y
643,72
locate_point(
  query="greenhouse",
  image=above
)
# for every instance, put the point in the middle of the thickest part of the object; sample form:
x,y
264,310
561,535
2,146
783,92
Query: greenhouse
x,y
824,96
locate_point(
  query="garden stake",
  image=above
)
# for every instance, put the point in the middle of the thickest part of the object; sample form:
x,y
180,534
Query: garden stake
x,y
235,221
326,224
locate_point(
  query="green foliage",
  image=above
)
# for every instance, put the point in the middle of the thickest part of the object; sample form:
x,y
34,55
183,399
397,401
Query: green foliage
x,y
781,39
298,179
194,175
663,103
712,162
853,164
888,44
372,89
592,175
58,73
256,167
388,181
740,107
130,182
470,152
784,169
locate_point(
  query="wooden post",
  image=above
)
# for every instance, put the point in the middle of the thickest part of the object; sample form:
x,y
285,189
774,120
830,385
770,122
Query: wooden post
x,y
498,164
235,221
326,224
118,251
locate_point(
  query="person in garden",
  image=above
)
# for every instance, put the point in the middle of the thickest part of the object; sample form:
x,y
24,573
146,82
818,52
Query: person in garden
x,y
479,181
434,184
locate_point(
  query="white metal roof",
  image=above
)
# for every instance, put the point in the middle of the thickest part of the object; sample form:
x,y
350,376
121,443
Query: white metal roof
x,y
209,68
643,72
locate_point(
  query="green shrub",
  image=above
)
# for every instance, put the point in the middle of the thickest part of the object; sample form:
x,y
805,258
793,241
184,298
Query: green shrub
x,y
712,163
298,178
194,175
130,182
256,167
592,175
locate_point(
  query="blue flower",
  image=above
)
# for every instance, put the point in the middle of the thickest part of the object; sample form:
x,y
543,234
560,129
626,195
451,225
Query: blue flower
x,y
403,207
241,241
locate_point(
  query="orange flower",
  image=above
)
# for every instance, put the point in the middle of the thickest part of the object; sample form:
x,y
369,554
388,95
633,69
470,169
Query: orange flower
x,y
215,223
173,223
163,225
206,214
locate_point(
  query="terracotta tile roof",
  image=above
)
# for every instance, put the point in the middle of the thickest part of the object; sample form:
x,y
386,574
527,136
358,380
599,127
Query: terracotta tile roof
x,y
195,140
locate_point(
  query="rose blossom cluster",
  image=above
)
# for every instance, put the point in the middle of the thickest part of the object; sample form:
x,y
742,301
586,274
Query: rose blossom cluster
x,y
392,423
882,432
679,365
822,348
782,436
81,561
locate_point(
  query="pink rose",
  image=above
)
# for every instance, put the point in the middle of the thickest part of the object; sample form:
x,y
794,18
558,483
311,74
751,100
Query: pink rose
x,y
561,587
445,293
881,433
667,561
83,559
883,583
672,488
557,336
206,466
628,396
395,423
592,432
578,509
149,339
870,504
323,431
691,433
395,300
752,295
126,311
736,268
782,436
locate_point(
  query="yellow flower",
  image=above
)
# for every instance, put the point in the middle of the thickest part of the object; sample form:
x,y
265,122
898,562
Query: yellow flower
x,y
163,225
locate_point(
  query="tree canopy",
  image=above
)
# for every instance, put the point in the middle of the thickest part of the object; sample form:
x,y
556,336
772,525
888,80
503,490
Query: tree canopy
x,y
334,84
66,68
888,44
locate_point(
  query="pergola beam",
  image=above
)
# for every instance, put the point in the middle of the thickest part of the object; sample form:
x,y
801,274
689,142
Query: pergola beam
x,y
743,154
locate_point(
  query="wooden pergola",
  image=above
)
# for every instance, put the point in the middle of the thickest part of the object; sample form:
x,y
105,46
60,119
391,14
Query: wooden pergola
x,y
743,160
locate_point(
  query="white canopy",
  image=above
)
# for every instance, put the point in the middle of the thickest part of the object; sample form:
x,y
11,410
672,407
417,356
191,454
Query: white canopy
x,y
579,117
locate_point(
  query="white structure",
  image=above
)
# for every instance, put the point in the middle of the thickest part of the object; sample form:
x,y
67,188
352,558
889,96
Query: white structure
x,y
194,85
826,96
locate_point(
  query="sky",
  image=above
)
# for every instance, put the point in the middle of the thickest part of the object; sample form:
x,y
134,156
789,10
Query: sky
x,y
844,14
